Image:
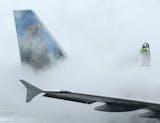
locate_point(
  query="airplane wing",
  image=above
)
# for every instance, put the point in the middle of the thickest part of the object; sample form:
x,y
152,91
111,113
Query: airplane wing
x,y
111,104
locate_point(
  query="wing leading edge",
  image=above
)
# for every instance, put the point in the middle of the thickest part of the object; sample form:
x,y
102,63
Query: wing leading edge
x,y
111,104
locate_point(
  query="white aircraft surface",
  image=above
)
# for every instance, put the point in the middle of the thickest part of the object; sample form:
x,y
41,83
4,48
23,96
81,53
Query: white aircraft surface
x,y
102,40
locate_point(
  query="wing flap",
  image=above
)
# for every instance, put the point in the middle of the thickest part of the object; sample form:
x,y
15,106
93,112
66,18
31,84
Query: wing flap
x,y
69,98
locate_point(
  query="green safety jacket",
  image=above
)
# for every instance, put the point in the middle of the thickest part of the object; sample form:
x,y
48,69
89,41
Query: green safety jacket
x,y
144,50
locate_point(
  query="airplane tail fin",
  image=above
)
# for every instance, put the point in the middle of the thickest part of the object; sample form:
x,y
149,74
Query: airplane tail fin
x,y
32,91
37,46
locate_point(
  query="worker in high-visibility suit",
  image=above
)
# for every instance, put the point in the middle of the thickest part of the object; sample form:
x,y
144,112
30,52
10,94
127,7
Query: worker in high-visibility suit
x,y
145,51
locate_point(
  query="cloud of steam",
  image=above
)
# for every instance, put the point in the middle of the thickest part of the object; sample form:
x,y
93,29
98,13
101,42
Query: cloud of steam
x,y
102,41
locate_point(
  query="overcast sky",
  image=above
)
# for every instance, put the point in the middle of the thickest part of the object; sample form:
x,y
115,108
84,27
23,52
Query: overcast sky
x,y
102,39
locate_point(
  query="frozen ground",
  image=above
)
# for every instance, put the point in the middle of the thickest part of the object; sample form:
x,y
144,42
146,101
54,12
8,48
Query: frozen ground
x,y
102,40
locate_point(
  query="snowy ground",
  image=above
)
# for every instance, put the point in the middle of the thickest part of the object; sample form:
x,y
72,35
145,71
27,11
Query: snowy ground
x,y
102,39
